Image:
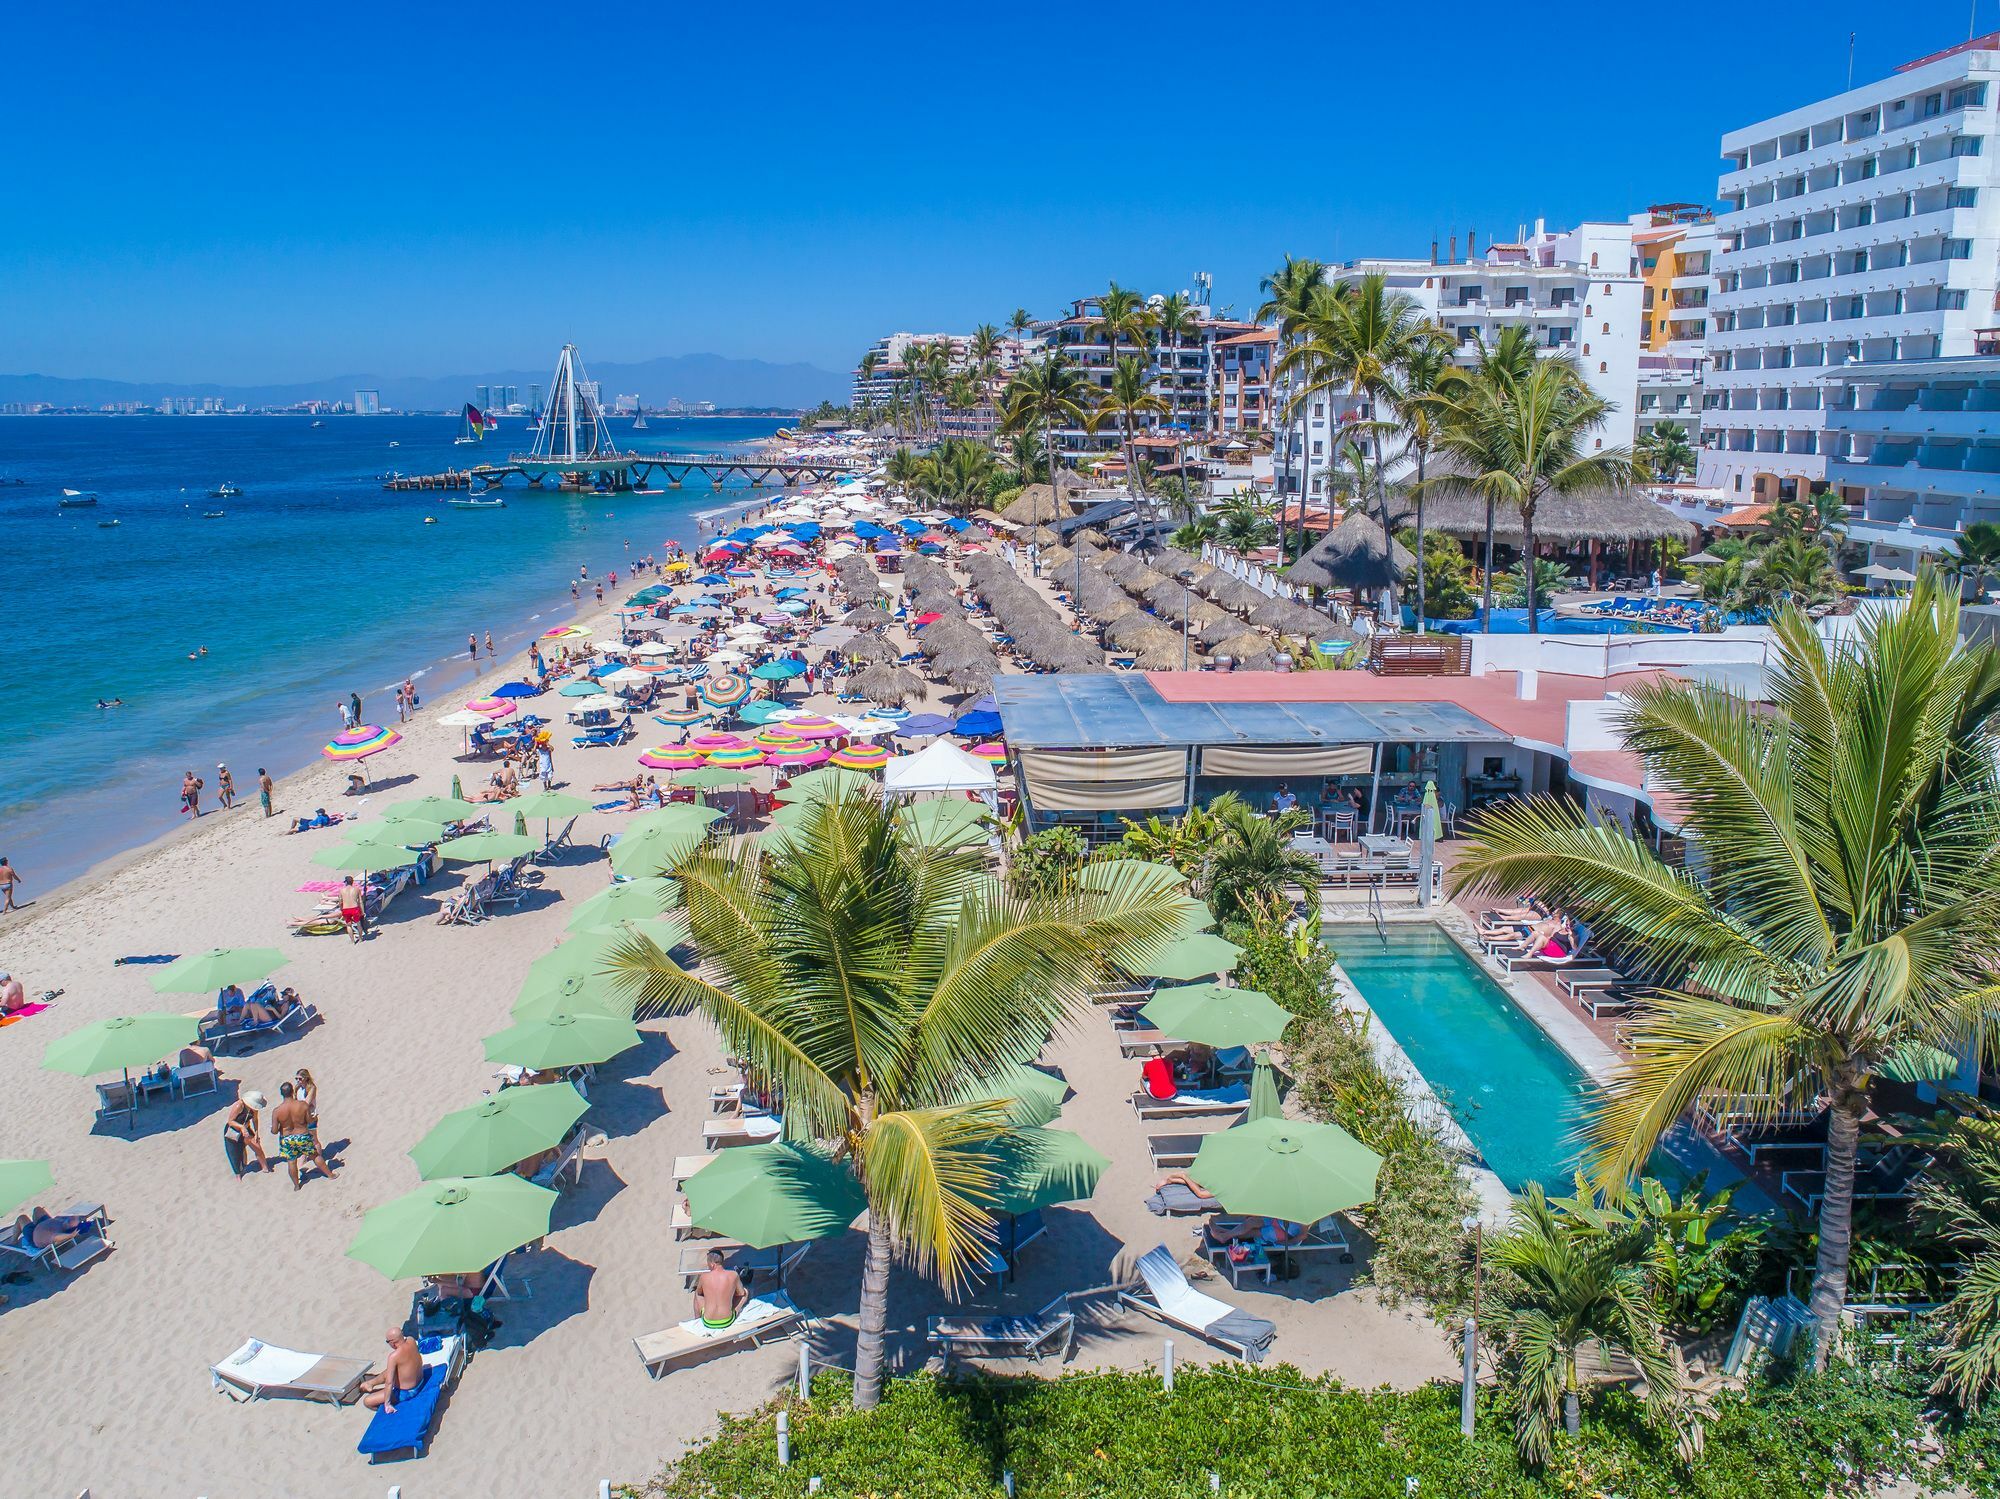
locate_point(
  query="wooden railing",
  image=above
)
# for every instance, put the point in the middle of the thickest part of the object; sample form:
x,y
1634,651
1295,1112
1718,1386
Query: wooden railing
x,y
1420,655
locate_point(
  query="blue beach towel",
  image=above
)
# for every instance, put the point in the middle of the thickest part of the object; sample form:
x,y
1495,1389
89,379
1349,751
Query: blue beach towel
x,y
155,957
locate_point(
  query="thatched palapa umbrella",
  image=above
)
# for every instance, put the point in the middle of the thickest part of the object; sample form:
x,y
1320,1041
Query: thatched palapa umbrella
x,y
1355,555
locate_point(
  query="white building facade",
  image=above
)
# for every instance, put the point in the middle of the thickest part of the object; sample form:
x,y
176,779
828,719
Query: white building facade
x,y
1864,228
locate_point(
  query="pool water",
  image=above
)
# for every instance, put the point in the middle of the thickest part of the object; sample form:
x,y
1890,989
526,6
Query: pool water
x,y
1514,1092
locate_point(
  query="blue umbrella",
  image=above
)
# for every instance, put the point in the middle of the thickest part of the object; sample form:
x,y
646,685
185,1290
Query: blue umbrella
x,y
711,578
977,725
779,671
516,689
987,704
888,544
867,530
922,724
789,593
930,549
954,524
910,527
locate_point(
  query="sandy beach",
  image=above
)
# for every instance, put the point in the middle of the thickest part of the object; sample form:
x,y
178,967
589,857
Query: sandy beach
x,y
105,1371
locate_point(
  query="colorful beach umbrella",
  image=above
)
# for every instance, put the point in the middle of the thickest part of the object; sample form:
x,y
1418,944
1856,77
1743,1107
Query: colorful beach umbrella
x,y
1291,1170
994,755
562,1039
683,718
737,758
860,757
725,690
1216,1015
779,1193
777,736
566,632
360,742
812,726
708,743
671,757
798,756
198,973
498,1131
453,1226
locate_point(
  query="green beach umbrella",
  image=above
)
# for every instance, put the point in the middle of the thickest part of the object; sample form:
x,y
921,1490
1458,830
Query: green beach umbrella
x,y
20,1180
827,784
474,847
218,968
792,814
588,954
562,1039
365,858
779,1193
494,1133
1264,1100
453,808
1188,958
1916,1062
943,825
630,900
547,804
712,778
452,1227
1038,1168
457,791
520,825
119,1043
655,851
1288,1169
575,994
400,831
1215,1015
1035,1096
1193,916
1141,874
681,816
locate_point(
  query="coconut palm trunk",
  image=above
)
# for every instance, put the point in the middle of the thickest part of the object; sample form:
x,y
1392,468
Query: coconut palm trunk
x,y
869,1359
1422,614
1836,1218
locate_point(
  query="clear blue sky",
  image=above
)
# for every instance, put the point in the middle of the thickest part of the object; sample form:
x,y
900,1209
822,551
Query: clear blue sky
x,y
267,193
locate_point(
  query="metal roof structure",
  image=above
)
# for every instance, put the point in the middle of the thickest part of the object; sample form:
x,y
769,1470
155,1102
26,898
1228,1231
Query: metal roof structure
x,y
1121,710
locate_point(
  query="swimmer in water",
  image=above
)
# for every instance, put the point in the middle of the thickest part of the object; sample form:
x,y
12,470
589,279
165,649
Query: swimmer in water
x,y
116,702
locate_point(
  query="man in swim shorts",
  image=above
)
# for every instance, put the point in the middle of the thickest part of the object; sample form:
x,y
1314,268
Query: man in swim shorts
x,y
400,1378
298,1134
719,1293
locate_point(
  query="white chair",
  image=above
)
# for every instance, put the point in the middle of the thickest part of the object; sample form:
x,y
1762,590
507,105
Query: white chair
x,y
195,1077
1169,1297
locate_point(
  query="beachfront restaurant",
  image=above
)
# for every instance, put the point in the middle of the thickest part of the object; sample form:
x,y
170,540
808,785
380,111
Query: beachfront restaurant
x,y
1089,750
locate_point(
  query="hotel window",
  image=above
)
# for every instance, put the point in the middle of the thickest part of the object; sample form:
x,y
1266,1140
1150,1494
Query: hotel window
x,y
1603,368
1961,197
1966,145
1517,296
1958,249
1604,328
1971,93
1933,105
1952,300
1868,167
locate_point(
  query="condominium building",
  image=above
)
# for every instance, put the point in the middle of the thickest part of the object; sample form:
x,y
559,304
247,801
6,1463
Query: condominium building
x,y
1862,229
1242,401
367,403
1673,245
880,387
1181,366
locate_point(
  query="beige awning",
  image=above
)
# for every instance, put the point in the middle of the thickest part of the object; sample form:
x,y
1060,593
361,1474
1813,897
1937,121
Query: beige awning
x,y
1113,780
1301,760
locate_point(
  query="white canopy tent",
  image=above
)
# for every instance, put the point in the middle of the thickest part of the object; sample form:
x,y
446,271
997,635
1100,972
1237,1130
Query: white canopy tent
x,y
938,767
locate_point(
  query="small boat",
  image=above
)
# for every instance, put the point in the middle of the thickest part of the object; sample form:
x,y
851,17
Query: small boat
x,y
75,499
430,520
319,424
106,525
639,421
477,504
395,444
213,514
472,425
224,491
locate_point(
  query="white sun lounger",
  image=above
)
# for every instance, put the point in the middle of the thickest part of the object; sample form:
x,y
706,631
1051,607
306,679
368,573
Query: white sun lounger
x,y
1190,1103
745,1129
762,1317
1053,1328
1169,1297
264,1371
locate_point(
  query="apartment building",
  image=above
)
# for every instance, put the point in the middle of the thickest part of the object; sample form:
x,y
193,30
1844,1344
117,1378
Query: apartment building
x,y
1181,365
1673,245
1861,229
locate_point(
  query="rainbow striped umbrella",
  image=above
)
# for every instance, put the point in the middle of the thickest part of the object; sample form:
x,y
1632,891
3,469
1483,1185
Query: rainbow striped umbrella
x,y
860,757
797,755
566,632
671,757
993,754
812,726
776,738
741,757
492,707
708,743
360,742
725,691
683,718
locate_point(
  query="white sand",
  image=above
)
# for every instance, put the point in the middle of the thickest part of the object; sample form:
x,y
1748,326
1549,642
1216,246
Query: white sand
x,y
103,1378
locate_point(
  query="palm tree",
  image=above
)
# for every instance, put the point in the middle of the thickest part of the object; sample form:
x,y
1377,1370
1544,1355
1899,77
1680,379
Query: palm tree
x,y
1019,322
1288,292
1252,863
1978,555
870,363
1122,315
1425,374
1515,437
1797,570
1962,1206
904,469
1130,395
1358,339
959,471
1666,451
984,344
875,983
1848,901
1582,1276
1047,393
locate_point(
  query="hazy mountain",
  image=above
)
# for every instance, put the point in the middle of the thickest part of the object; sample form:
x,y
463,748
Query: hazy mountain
x,y
691,377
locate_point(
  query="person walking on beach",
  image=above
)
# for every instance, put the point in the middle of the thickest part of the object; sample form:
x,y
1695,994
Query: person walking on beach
x,y
489,643
191,793
346,717
545,765
298,1135
354,705
264,789
9,879
410,692
225,788
402,705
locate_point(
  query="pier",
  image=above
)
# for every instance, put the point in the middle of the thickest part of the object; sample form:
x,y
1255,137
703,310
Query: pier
x,y
451,478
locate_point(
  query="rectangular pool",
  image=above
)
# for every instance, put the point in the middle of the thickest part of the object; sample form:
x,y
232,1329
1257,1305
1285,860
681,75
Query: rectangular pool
x,y
1512,1089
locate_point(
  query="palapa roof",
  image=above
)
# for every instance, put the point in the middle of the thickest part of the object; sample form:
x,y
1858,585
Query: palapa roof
x,y
1354,554
1039,505
1616,516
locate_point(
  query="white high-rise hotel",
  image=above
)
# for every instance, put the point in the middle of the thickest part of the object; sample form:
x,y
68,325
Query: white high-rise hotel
x,y
1864,228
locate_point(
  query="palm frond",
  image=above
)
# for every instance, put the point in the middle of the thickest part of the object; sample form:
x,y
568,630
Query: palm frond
x,y
929,1174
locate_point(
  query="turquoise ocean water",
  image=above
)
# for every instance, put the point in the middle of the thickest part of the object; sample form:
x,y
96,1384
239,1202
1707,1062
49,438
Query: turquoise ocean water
x,y
315,583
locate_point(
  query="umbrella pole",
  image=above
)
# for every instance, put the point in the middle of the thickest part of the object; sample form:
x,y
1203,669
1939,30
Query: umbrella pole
x,y
131,1114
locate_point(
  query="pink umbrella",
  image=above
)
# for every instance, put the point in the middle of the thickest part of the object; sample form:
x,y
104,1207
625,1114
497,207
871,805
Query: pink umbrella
x,y
993,754
671,757
812,726
799,757
492,707
708,744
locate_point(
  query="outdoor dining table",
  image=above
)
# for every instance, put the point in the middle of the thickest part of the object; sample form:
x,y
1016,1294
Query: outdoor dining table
x,y
1384,844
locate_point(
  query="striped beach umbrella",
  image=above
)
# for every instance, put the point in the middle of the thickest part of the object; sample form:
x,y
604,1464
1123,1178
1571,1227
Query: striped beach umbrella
x,y
683,718
360,742
994,755
671,757
811,726
860,757
704,744
566,632
492,707
776,737
799,755
893,715
740,758
725,691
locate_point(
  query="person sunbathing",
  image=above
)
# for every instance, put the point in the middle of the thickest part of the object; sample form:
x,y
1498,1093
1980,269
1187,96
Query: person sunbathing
x,y
43,1229
529,1165
401,1377
719,1293
633,800
321,818
631,785
258,1014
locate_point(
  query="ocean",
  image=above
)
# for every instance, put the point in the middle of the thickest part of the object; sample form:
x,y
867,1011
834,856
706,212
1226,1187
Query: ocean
x,y
316,582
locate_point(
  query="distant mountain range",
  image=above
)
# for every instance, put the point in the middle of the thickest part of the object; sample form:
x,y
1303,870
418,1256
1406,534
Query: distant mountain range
x,y
690,377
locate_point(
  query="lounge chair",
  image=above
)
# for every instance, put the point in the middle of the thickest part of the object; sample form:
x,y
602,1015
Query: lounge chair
x,y
608,737
774,1263
264,1371
1173,1150
408,1427
1169,1297
229,1025
569,1158
1034,1335
70,1252
1572,981
114,1099
559,842
744,1129
1192,1103
762,1317
461,908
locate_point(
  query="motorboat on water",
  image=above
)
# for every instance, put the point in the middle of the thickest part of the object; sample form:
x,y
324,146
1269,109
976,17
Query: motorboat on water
x,y
75,499
106,525
472,502
319,424
224,491
213,514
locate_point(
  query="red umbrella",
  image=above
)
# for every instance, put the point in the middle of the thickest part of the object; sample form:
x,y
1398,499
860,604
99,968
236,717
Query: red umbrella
x,y
921,620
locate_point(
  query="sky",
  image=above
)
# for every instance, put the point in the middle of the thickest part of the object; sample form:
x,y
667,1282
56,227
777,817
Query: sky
x,y
254,194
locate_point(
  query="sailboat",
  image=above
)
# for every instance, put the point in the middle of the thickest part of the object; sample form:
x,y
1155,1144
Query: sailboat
x,y
75,499
639,421
472,425
224,491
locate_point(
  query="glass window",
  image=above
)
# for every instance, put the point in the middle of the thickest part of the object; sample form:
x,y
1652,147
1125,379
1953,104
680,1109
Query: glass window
x,y
1967,145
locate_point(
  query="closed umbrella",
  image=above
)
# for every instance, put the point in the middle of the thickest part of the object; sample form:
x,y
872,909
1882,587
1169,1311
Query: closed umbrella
x,y
499,1131
631,900
219,967
453,1226
562,1039
779,1193
1290,1170
1214,1015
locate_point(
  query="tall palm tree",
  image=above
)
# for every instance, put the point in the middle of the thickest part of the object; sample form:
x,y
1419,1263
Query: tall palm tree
x,y
876,983
1848,901
984,343
903,468
1019,321
1288,292
870,363
1129,397
1978,555
1425,374
1514,439
1122,316
1666,451
1047,392
1582,1276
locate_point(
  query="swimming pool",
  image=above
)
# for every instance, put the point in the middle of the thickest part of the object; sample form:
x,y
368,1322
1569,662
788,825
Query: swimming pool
x,y
1515,1093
